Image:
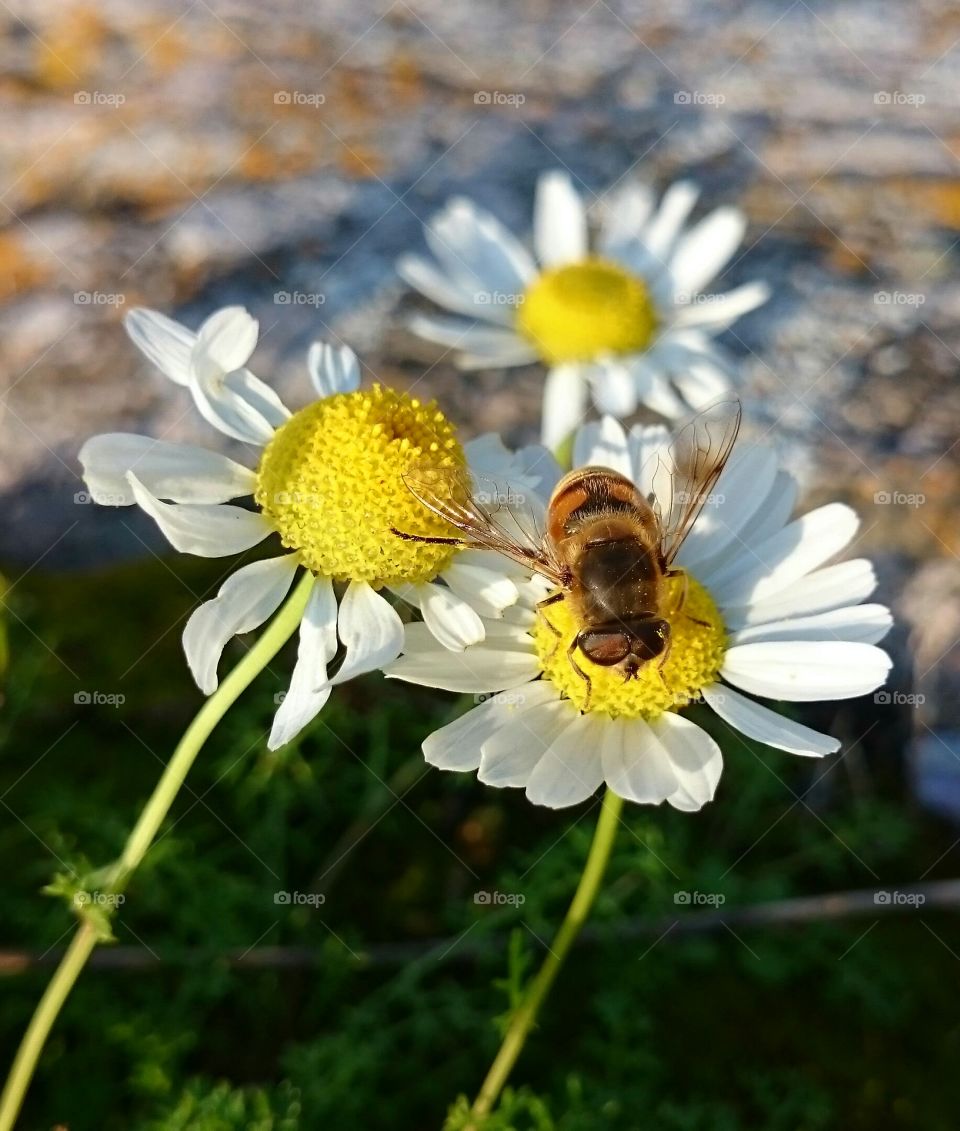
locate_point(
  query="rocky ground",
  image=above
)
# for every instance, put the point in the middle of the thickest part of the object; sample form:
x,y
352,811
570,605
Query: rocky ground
x,y
186,155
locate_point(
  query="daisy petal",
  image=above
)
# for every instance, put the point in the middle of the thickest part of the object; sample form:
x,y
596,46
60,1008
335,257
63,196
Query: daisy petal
x,y
695,758
559,221
626,210
489,591
451,620
259,396
180,472
483,345
660,233
602,442
805,670
787,556
834,587
565,393
511,753
309,690
165,342
723,310
614,388
864,624
705,250
332,370
477,251
423,276
570,771
478,669
635,765
226,340
244,602
208,531
766,726
370,629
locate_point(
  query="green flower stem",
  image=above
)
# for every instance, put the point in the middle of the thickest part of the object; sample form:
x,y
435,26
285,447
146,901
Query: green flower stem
x,y
525,1014
148,825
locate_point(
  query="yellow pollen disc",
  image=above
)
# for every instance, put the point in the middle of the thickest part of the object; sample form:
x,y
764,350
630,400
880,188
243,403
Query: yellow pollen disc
x,y
696,655
330,482
583,310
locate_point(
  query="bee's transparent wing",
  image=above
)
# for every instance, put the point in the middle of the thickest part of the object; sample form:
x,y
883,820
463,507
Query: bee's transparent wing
x,y
491,515
686,476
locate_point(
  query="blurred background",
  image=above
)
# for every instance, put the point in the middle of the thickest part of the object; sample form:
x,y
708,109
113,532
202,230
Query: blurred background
x,y
189,155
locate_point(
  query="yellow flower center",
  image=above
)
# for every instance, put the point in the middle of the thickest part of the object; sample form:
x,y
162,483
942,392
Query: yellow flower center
x,y
331,483
583,310
698,642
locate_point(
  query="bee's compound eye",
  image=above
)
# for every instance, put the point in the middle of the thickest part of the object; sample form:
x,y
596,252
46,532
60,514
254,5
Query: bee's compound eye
x,y
650,637
604,647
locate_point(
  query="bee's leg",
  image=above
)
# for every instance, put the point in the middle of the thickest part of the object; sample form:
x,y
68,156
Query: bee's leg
x,y
551,600
677,572
461,542
664,656
581,673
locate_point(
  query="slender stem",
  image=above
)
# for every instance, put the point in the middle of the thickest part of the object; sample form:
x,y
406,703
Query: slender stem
x,y
151,818
526,1013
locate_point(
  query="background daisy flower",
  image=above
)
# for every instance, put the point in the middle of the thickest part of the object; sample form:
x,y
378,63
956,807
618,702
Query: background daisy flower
x,y
765,616
620,317
328,481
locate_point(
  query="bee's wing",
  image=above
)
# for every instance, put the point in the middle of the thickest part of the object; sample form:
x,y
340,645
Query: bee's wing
x,y
695,460
490,515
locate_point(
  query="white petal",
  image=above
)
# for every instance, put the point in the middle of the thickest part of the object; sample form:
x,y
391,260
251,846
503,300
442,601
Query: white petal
x,y
570,771
489,591
565,394
207,530
705,250
332,369
787,556
309,690
635,764
614,387
165,342
244,602
695,757
181,472
484,667
660,234
537,461
723,310
626,212
260,397
477,252
452,621
766,726
835,587
559,221
370,630
649,446
226,339
805,670
742,489
483,345
445,292
603,442
863,624
510,754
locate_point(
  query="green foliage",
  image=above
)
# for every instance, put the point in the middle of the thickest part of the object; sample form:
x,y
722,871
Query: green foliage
x,y
379,1025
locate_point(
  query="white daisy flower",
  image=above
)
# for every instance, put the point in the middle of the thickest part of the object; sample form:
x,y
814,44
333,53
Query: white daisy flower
x,y
327,480
765,616
621,317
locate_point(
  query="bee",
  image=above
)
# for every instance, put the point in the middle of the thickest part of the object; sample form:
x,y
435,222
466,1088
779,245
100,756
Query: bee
x,y
608,549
